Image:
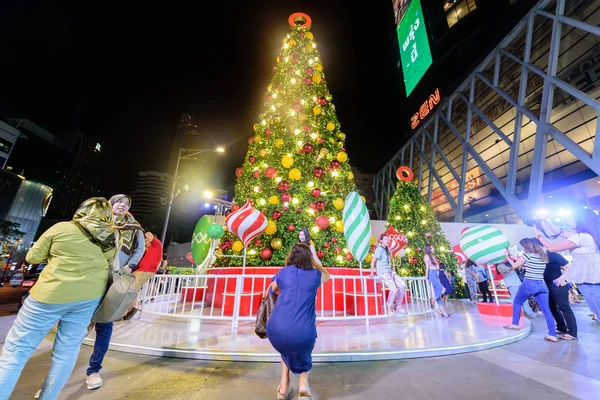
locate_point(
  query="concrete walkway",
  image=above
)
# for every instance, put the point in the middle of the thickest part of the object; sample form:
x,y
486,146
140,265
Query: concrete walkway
x,y
530,369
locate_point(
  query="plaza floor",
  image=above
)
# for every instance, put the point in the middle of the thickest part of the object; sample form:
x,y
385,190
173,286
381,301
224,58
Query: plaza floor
x,y
530,369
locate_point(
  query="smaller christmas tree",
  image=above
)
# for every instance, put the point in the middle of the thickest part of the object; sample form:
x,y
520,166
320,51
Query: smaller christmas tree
x,y
413,217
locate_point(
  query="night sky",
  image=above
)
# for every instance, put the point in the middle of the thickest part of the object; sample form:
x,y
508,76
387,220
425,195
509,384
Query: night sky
x,y
125,72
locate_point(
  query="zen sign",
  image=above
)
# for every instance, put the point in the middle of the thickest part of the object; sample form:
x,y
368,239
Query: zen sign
x,y
425,109
414,45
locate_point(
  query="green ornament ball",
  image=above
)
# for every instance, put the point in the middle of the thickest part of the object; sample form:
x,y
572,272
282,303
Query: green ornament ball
x,y
215,231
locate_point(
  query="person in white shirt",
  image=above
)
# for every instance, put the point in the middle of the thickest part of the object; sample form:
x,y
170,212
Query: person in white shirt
x,y
584,245
382,259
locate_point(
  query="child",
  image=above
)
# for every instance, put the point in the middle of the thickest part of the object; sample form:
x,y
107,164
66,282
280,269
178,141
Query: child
x,y
453,281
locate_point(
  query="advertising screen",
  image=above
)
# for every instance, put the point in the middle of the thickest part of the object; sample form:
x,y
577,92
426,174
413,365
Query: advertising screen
x,y
415,53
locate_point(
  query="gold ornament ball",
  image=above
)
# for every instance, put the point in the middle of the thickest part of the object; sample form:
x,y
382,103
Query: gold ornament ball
x,y
271,228
338,203
237,246
292,42
323,152
276,243
287,161
279,143
219,251
317,110
342,136
319,67
302,117
295,174
369,257
342,156
256,127
262,152
373,240
309,48
257,139
273,200
363,199
330,126
278,61
339,225
309,35
331,140
350,175
316,78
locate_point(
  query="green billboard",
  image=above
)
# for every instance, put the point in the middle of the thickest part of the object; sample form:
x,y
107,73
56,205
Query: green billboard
x,y
414,45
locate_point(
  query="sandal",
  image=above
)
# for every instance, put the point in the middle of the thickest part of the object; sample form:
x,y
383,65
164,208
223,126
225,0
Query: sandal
x,y
304,397
552,339
283,396
512,327
566,336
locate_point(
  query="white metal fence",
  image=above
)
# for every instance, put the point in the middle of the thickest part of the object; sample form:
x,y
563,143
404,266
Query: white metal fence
x,y
237,297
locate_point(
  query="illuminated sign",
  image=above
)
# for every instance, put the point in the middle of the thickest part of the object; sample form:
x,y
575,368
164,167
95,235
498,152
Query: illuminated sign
x,y
425,109
98,147
414,45
475,179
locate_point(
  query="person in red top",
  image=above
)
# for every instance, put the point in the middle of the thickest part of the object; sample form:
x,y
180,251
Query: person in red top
x,y
147,266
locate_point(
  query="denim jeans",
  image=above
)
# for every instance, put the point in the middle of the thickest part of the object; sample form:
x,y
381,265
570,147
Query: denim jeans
x,y
103,335
434,278
531,287
34,321
591,294
526,307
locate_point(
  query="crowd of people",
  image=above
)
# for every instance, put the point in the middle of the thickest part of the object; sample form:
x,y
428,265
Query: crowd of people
x,y
80,256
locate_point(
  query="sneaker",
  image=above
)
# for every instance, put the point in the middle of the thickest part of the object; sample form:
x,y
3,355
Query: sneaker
x,y
400,310
390,312
93,381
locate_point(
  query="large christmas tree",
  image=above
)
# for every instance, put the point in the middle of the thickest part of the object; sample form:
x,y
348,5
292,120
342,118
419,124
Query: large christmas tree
x,y
412,216
296,170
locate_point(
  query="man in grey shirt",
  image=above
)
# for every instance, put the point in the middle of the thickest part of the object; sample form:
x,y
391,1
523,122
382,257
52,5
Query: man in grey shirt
x,y
382,260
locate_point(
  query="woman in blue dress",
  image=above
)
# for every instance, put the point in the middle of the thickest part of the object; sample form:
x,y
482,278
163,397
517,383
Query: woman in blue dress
x,y
445,282
433,275
292,328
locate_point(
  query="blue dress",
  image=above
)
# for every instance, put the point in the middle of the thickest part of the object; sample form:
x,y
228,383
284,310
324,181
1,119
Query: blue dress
x,y
444,281
292,328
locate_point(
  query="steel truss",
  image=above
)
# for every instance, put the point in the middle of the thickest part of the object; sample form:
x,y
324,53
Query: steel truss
x,y
450,141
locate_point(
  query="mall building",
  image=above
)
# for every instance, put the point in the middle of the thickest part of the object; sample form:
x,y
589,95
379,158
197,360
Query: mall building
x,y
517,132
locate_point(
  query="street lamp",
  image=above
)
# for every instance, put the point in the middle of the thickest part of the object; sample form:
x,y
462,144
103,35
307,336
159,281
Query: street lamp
x,y
194,152
219,203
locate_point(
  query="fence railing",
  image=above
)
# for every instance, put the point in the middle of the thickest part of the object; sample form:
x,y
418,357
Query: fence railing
x,y
237,297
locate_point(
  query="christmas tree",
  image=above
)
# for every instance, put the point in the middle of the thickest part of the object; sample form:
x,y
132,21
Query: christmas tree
x,y
296,169
412,216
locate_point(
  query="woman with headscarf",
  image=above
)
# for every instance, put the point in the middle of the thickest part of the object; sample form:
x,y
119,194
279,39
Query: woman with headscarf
x,y
78,254
131,252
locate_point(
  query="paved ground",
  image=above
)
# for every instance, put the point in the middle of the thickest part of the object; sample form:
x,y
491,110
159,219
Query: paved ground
x,y
530,370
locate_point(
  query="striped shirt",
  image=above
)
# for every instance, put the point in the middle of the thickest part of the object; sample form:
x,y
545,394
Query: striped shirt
x,y
534,267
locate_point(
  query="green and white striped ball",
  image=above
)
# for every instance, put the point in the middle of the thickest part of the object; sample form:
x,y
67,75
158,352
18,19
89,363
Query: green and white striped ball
x,y
484,244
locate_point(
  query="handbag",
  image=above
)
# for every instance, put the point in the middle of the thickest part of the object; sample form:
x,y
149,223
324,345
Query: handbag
x,y
122,291
264,313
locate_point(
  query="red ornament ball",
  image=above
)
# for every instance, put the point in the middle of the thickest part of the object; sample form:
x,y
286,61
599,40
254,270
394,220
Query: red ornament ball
x,y
322,101
292,70
320,254
268,132
299,211
333,240
321,140
285,197
418,249
266,253
291,228
297,107
318,172
257,242
322,222
413,260
283,186
307,148
335,164
316,192
309,70
349,256
276,215
250,140
238,171
270,172
251,159
256,173
312,206
306,128
326,245
337,249
320,205
308,81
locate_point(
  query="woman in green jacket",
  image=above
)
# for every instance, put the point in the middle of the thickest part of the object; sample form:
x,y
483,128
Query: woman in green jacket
x,y
69,290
